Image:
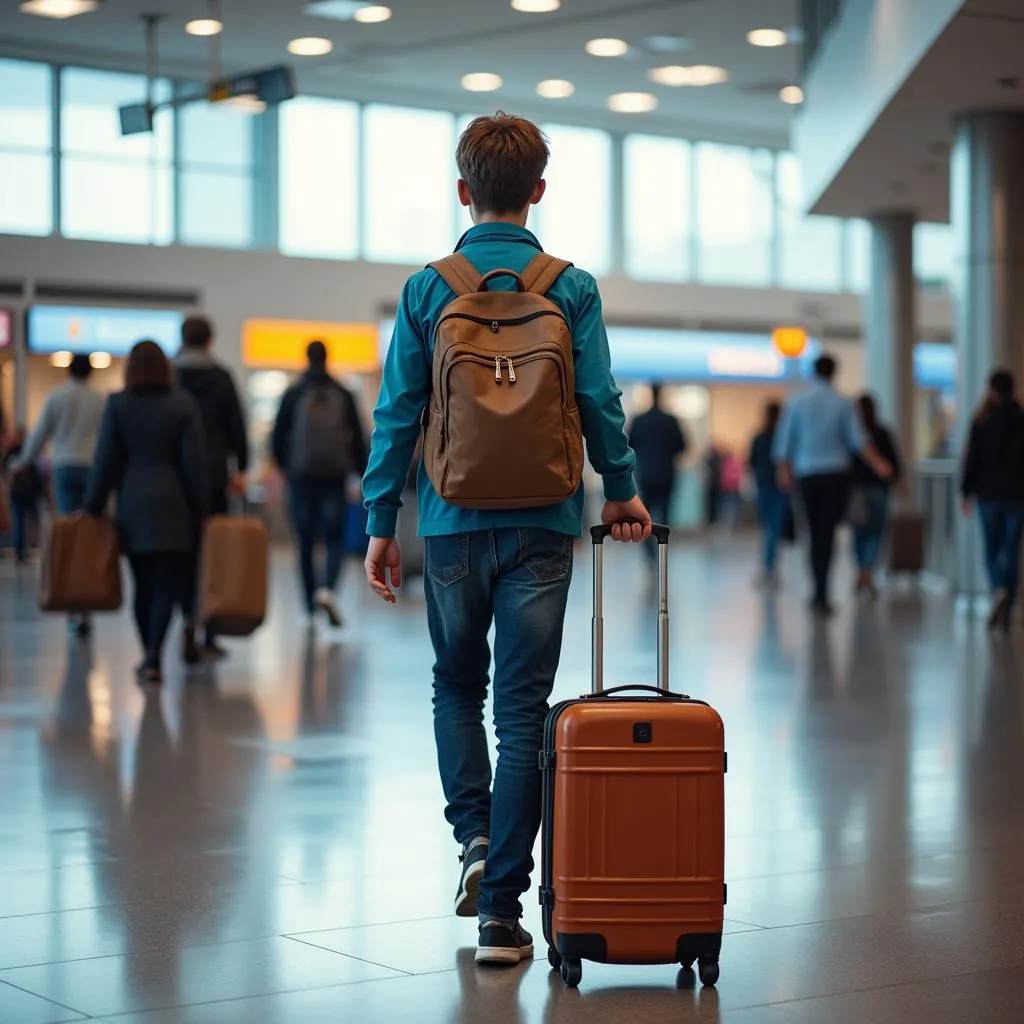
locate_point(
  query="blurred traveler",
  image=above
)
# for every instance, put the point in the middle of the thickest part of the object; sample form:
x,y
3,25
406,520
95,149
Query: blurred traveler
x,y
713,484
731,482
993,476
872,493
658,441
816,440
26,489
772,501
70,422
319,444
150,453
226,448
507,565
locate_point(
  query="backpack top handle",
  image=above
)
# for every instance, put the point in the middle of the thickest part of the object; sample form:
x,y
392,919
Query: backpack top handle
x,y
482,287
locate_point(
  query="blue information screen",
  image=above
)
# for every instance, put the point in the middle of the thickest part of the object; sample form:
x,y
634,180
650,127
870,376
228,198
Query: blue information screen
x,y
89,329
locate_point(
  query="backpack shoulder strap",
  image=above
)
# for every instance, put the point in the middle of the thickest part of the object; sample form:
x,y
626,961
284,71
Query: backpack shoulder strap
x,y
542,272
458,273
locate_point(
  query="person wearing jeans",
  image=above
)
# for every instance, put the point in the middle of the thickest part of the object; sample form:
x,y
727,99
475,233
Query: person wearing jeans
x,y
519,577
507,566
319,512
993,476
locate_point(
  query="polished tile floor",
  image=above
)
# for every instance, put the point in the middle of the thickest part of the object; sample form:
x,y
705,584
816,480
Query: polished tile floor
x,y
264,843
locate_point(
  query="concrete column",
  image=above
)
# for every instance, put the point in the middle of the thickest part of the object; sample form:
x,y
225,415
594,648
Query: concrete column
x,y
987,213
891,325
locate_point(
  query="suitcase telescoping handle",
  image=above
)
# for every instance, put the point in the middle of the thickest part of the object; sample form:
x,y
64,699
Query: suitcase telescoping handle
x,y
597,535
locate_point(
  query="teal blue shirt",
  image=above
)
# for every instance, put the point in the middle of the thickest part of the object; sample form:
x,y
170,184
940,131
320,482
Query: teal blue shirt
x,y
405,391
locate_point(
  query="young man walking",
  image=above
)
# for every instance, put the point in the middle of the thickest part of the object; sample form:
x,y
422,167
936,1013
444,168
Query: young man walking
x,y
494,562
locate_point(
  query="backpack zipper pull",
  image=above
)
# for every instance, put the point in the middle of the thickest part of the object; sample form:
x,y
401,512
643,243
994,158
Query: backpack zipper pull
x,y
497,369
511,370
494,326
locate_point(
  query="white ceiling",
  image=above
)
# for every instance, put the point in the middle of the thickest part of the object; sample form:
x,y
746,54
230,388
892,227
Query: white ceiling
x,y
422,52
903,161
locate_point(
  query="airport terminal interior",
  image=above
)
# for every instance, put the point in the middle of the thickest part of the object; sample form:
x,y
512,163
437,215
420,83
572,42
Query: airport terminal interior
x,y
253,829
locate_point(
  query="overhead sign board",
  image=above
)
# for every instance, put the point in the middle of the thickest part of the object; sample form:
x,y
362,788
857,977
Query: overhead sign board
x,y
90,329
281,344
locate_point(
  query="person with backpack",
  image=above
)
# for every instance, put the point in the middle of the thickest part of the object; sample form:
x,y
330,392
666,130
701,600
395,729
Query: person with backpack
x,y
319,445
226,445
500,359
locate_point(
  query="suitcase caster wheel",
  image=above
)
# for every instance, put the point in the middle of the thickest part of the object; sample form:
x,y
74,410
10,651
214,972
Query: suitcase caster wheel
x,y
708,972
554,958
572,973
685,978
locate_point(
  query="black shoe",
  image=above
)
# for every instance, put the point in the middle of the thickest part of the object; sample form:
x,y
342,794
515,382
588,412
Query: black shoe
x,y
83,628
189,648
822,609
149,674
500,944
213,651
473,859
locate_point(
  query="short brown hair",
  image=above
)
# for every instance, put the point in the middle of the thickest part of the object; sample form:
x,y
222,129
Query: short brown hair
x,y
196,332
501,159
148,367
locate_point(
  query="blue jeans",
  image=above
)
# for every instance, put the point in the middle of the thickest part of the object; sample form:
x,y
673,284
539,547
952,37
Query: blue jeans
x,y
772,506
319,511
69,486
868,537
1002,526
519,578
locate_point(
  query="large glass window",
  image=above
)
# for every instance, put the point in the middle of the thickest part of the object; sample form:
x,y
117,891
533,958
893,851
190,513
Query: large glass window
x,y
933,254
573,220
409,190
216,161
810,248
26,157
319,178
113,188
734,215
658,190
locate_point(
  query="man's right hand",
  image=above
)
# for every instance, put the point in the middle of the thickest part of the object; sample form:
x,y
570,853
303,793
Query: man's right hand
x,y
618,514
383,558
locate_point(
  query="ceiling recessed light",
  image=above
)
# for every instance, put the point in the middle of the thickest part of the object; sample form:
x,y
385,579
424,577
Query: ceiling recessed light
x,y
310,46
555,88
59,9
372,14
481,81
204,27
536,6
767,37
698,75
791,94
607,47
632,102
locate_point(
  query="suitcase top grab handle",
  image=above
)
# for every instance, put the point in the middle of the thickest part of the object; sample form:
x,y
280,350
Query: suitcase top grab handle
x,y
597,535
600,532
605,694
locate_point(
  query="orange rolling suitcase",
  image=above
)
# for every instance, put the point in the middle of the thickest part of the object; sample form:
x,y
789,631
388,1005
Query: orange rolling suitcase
x,y
633,862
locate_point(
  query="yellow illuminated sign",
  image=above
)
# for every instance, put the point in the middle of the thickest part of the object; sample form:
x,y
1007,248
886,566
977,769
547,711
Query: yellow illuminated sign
x,y
281,344
789,341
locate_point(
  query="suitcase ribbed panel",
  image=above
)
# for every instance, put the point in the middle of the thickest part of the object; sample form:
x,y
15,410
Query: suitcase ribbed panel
x,y
637,828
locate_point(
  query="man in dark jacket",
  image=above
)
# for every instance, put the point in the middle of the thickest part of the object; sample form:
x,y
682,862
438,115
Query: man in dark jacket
x,y
993,476
224,440
658,441
319,445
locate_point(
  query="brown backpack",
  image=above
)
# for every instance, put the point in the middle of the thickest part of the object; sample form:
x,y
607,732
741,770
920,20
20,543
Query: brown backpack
x,y
502,430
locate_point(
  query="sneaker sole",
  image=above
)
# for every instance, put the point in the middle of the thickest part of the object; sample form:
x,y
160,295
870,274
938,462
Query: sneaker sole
x,y
503,954
465,902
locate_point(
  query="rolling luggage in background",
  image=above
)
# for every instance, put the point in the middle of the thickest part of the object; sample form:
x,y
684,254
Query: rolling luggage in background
x,y
633,859
906,543
81,566
233,574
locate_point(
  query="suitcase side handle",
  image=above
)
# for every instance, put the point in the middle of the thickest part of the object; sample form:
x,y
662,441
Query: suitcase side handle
x,y
600,532
667,694
597,535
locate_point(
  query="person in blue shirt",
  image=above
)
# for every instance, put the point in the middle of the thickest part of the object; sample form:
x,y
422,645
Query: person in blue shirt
x,y
814,447
511,567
